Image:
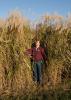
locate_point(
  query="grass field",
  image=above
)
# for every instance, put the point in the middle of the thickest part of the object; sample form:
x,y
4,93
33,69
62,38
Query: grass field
x,y
17,35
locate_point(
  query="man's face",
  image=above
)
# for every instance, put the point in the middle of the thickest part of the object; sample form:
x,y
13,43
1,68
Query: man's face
x,y
37,43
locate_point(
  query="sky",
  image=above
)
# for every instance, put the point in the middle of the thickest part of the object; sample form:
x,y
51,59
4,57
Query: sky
x,y
33,9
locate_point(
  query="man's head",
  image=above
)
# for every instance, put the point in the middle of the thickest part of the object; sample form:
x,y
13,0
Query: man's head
x,y
37,43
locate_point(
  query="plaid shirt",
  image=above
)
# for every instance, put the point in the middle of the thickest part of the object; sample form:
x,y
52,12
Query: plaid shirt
x,y
37,54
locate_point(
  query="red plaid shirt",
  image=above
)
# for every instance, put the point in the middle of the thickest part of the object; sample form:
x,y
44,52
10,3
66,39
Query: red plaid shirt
x,y
37,54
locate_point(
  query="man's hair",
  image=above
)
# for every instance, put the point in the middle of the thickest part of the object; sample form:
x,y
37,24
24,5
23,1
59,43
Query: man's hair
x,y
37,40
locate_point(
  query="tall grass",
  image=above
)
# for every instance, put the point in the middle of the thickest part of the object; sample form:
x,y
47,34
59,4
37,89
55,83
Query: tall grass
x,y
16,35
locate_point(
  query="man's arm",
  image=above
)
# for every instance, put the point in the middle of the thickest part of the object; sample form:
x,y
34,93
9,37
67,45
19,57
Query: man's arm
x,y
44,55
28,52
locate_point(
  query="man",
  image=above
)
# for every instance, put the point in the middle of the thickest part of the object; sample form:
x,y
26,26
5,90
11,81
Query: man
x,y
38,55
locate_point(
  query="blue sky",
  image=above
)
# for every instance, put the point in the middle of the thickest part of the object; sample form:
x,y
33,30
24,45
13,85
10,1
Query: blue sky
x,y
32,9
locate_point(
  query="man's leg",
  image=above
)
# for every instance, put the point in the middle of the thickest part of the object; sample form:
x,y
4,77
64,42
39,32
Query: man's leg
x,y
39,73
35,74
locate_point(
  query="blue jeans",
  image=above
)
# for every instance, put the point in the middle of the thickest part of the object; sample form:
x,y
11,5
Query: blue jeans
x,y
37,71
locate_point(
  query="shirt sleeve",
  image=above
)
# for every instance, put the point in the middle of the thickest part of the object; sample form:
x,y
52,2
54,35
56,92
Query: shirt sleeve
x,y
28,52
43,54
